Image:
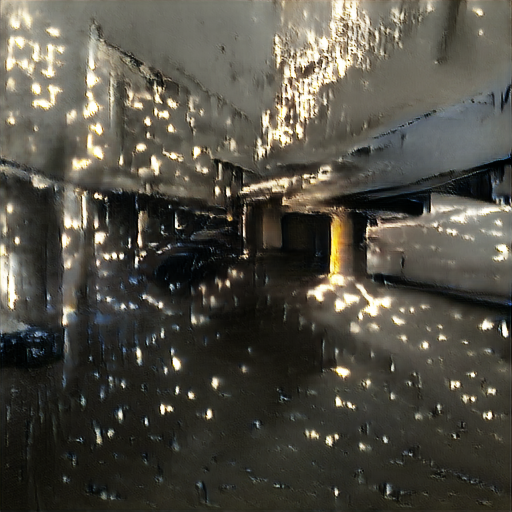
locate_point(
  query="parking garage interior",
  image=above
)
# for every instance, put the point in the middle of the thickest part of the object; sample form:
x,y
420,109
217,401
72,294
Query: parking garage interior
x,y
289,304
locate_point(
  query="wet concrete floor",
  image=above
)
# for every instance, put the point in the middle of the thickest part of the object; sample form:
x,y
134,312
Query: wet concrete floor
x,y
264,388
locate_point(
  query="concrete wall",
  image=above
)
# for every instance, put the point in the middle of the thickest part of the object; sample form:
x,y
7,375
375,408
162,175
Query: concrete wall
x,y
107,120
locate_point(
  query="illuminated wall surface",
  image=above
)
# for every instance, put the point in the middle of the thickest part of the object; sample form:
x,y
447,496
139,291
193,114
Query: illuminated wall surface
x,y
323,77
342,352
133,128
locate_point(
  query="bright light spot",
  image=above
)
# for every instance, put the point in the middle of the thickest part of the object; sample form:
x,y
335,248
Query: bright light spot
x,y
173,104
110,433
147,121
91,109
54,32
312,434
478,12
44,104
342,372
98,153
319,291
173,156
138,355
196,151
337,280
374,303
99,237
15,23
355,328
330,440
11,291
36,88
215,383
486,325
65,240
166,408
424,345
9,208
191,395
209,414
455,384
140,147
91,79
342,403
170,128
99,440
488,415
490,391
504,329
120,415
176,363
11,84
17,240
97,128
397,320
71,116
155,165
468,399
471,375
364,447
161,114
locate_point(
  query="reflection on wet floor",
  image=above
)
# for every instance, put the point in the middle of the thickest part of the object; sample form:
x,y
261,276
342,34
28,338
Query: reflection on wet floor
x,y
270,387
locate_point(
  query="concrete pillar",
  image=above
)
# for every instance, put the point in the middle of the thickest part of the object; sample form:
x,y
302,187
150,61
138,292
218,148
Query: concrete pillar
x,y
348,238
272,237
30,261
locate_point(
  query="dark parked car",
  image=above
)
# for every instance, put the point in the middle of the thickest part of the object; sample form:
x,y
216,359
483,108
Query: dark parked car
x,y
30,347
188,264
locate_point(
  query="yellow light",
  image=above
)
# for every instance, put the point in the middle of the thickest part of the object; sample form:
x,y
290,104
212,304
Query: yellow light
x,y
79,164
98,153
54,32
97,128
36,88
11,291
342,372
15,23
336,240
91,109
44,104
91,79
173,104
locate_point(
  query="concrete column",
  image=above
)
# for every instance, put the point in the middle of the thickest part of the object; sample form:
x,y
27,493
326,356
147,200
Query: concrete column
x,y
348,237
30,262
271,225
